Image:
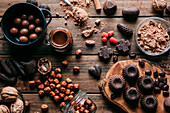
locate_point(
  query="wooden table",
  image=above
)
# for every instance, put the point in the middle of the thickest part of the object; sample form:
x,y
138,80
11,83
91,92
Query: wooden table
x,y
87,83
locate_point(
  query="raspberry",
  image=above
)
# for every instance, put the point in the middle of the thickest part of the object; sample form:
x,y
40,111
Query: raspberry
x,y
104,39
110,33
104,34
113,40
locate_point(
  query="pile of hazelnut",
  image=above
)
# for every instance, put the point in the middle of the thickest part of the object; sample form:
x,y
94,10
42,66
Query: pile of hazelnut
x,y
60,91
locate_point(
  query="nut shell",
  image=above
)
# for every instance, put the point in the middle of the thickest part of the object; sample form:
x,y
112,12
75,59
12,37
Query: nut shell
x,y
44,66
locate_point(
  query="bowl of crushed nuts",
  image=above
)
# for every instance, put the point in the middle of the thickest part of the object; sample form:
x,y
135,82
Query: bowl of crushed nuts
x,y
151,36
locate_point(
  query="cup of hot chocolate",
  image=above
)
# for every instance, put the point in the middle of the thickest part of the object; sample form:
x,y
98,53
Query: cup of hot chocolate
x,y
61,39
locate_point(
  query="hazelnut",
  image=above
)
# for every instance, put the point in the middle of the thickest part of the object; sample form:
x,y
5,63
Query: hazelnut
x,y
70,86
44,107
67,92
58,86
86,111
76,69
50,80
52,74
81,109
65,63
47,89
68,80
63,104
59,76
31,83
65,98
62,95
62,89
56,91
41,93
27,105
57,70
56,81
92,108
70,97
88,102
81,104
72,93
52,86
76,87
37,82
46,83
52,94
73,103
41,87
78,53
56,98
64,83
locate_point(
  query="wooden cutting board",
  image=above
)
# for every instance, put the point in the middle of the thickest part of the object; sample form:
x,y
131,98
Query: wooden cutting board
x,y
117,69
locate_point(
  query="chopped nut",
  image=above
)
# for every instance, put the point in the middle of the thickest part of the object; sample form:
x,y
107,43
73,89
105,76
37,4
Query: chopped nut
x,y
52,94
57,70
41,87
76,69
44,107
63,104
87,33
32,83
70,97
37,82
63,83
97,22
90,43
41,93
68,80
59,76
52,74
52,86
47,89
56,98
56,81
78,53
65,63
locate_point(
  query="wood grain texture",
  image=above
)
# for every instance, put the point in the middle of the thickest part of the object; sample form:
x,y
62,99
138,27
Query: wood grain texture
x,y
145,7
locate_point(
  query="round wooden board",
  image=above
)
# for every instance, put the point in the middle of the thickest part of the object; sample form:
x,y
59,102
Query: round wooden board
x,y
117,69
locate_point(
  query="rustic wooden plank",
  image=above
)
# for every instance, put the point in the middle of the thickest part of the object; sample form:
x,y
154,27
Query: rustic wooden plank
x,y
87,83
35,102
79,41
145,7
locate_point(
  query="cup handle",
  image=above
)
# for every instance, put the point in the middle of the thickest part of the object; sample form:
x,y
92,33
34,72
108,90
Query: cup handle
x,y
50,18
2,38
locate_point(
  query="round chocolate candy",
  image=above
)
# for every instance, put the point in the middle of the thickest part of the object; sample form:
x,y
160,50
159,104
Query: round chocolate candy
x,y
156,82
17,21
24,16
142,63
148,72
157,90
25,23
13,31
132,55
31,18
38,30
155,73
24,31
33,36
166,93
165,80
31,27
161,85
162,73
166,87
23,39
160,79
37,21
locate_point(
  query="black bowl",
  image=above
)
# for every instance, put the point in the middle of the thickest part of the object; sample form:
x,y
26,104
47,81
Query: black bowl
x,y
17,10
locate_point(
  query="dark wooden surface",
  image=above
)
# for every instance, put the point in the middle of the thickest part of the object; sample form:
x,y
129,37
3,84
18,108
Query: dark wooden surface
x,y
87,83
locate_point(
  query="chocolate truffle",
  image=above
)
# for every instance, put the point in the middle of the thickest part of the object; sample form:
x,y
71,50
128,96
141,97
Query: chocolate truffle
x,y
13,31
33,2
25,23
146,84
167,104
131,96
38,30
24,31
155,73
17,21
162,73
31,27
109,7
31,18
24,16
149,103
130,73
130,13
148,72
23,39
117,83
33,36
37,21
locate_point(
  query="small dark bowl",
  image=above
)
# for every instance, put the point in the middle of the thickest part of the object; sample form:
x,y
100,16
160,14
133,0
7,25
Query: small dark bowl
x,y
17,10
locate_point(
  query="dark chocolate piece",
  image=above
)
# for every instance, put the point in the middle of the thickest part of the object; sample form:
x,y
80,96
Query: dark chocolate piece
x,y
132,55
113,95
160,79
123,47
20,68
33,2
155,73
142,63
12,67
5,68
6,80
148,72
130,13
166,93
109,7
125,30
162,73
29,67
156,82
157,90
95,71
105,53
166,87
161,85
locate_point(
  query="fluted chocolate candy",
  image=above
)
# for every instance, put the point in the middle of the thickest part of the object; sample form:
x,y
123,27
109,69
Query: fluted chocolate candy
x,y
95,71
125,30
110,7
130,13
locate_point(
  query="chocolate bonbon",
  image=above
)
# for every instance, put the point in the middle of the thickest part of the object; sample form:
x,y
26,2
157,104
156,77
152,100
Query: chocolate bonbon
x,y
109,7
130,13
13,31
95,71
105,53
123,47
125,30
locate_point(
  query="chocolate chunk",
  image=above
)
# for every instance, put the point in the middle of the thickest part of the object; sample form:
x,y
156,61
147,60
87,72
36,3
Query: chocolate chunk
x,y
125,30
132,55
105,53
109,7
130,13
123,47
142,63
29,67
113,95
90,43
12,67
5,68
20,68
6,80
167,104
87,33
115,58
168,9
95,71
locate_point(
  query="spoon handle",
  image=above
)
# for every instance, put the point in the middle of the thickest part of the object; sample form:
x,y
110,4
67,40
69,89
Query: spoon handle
x,y
68,3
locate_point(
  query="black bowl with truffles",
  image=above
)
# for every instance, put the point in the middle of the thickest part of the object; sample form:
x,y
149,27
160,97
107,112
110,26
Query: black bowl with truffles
x,y
11,101
24,24
151,36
